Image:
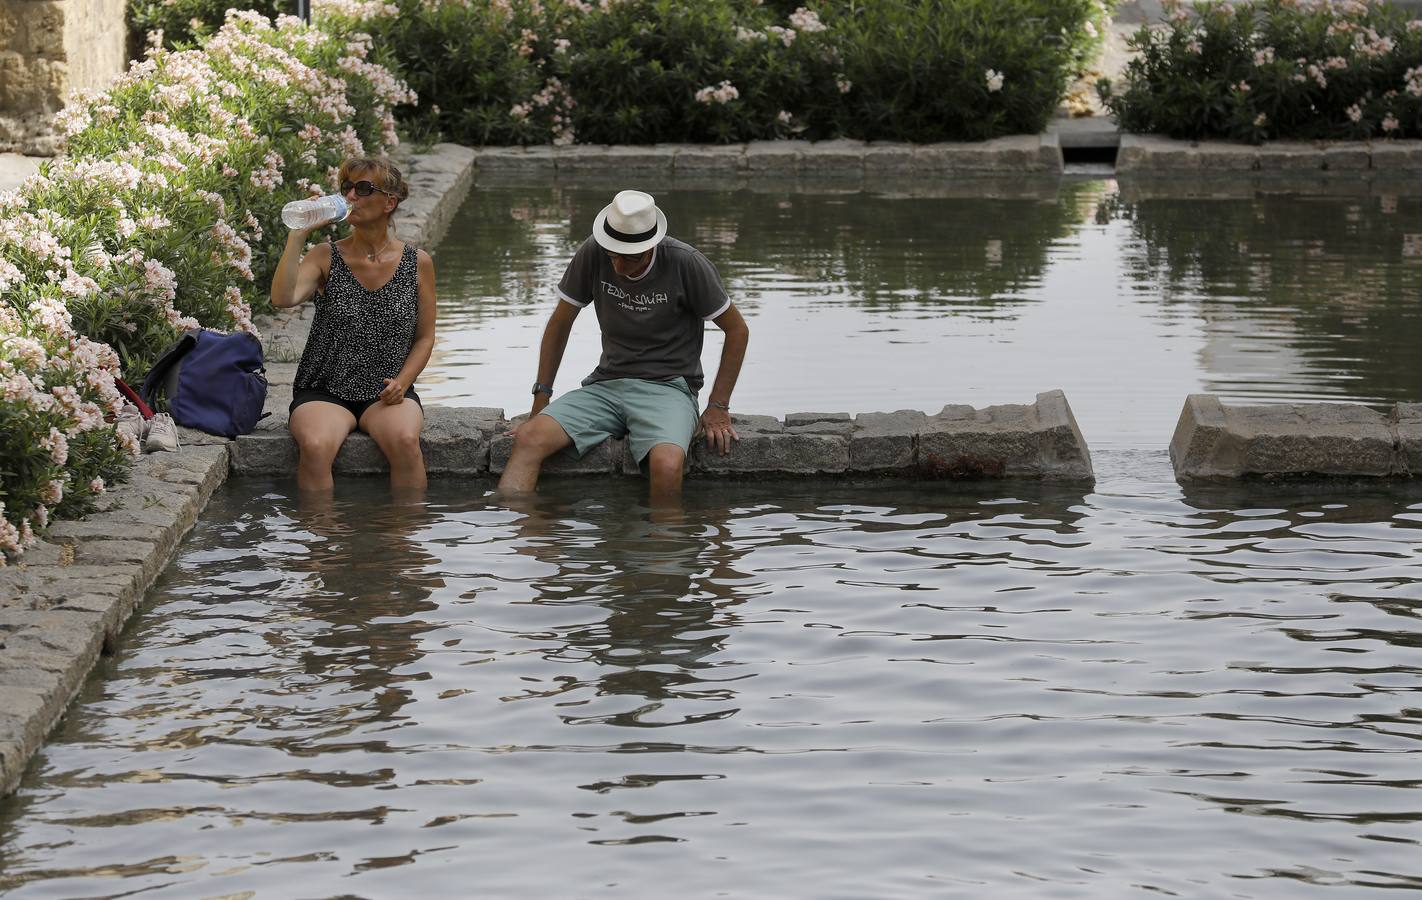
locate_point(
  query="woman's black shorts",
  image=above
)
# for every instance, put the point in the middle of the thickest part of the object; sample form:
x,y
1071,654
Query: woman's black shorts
x,y
357,407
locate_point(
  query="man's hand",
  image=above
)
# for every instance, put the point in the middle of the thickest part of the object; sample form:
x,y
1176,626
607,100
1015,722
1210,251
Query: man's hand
x,y
719,433
539,402
393,394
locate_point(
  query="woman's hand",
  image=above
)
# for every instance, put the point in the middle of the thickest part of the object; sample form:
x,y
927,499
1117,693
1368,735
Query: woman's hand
x,y
393,394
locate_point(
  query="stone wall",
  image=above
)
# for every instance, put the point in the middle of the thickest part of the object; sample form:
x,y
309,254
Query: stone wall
x,y
48,49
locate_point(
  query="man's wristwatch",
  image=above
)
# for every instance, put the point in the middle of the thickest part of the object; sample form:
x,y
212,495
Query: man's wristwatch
x,y
541,388
712,404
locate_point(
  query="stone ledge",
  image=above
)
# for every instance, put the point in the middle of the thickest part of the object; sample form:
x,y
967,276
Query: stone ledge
x,y
1215,441
1153,155
1038,440
841,159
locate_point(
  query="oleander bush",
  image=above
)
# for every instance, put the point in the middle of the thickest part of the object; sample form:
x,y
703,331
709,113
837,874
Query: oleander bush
x,y
645,71
1269,69
163,215
181,24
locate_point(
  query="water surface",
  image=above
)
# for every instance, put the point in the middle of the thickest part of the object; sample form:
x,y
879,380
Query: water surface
x,y
811,689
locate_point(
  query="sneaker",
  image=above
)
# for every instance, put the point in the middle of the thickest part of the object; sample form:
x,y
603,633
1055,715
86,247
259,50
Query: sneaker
x,y
162,434
129,421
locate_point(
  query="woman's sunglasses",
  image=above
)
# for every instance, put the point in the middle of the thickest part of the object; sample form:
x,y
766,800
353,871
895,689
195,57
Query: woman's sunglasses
x,y
362,188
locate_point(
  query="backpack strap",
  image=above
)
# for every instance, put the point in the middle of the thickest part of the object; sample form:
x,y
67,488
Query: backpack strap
x,y
164,367
132,396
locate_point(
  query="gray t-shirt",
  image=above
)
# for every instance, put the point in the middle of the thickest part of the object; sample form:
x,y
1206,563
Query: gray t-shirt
x,y
651,326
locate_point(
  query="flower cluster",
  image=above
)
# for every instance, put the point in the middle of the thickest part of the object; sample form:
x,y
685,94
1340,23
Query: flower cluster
x,y
153,223
724,92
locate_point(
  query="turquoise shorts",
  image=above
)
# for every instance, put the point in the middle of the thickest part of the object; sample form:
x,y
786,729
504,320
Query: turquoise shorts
x,y
648,412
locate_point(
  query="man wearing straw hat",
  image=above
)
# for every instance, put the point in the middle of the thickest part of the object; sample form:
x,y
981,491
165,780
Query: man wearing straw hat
x,y
652,295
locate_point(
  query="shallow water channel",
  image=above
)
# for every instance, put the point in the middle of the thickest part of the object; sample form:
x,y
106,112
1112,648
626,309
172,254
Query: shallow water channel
x,y
812,689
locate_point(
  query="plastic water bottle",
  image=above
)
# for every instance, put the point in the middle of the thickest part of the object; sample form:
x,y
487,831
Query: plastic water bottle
x,y
310,213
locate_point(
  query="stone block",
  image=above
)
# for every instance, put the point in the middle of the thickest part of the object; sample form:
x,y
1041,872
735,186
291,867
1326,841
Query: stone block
x,y
1347,156
1223,156
651,161
841,158
692,160
264,454
1155,155
887,159
885,442
1006,155
1396,155
1013,440
775,453
773,158
581,159
516,160
1407,430
1290,156
1214,441
456,441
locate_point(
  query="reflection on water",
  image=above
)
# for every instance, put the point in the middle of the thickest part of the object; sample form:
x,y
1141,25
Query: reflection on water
x,y
869,301
811,690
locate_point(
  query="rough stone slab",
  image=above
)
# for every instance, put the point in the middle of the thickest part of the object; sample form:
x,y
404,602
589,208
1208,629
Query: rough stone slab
x,y
775,453
692,160
885,442
773,157
1407,428
1220,156
842,158
1396,155
1037,440
516,160
1290,156
455,441
1347,156
1150,154
582,159
1019,153
622,160
1215,441
887,159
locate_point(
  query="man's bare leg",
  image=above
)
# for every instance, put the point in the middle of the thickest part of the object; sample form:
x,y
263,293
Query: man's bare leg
x,y
664,467
534,441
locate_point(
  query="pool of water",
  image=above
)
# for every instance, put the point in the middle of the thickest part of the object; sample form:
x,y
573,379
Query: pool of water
x,y
863,302
811,689
808,690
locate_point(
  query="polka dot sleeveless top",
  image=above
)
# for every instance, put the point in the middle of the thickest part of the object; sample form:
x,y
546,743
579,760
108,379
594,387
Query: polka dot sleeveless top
x,y
359,337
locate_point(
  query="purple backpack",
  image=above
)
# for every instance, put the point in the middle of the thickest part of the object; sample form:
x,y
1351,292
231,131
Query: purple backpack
x,y
214,382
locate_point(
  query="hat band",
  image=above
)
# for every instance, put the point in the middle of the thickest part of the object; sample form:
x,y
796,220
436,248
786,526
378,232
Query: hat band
x,y
628,238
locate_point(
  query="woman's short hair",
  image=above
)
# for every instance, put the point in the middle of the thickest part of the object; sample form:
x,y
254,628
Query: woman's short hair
x,y
381,171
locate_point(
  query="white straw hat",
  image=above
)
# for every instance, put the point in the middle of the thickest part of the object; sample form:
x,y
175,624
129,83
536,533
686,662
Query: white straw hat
x,y
630,224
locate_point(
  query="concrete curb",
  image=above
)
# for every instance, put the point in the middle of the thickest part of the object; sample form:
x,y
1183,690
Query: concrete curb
x,y
1215,442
